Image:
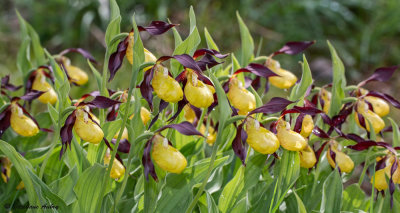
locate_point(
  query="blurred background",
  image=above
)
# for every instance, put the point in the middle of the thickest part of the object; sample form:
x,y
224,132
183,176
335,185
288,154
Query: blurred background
x,y
365,33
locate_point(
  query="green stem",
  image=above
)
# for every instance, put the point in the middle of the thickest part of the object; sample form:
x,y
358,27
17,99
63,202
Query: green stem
x,y
103,90
143,136
203,113
350,88
210,168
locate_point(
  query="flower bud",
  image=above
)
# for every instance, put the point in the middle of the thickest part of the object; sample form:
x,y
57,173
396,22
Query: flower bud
x,y
380,180
117,169
377,123
148,56
86,129
197,93
345,163
285,80
288,138
77,75
211,136
380,106
261,139
307,126
167,88
20,186
22,124
241,98
167,157
326,96
307,157
40,84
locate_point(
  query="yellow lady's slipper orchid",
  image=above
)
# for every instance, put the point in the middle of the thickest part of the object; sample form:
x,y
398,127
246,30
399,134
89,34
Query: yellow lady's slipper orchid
x,y
288,138
6,164
285,80
380,180
40,84
307,126
377,123
77,75
212,135
307,157
326,96
380,106
396,174
345,163
197,93
85,128
189,113
261,139
144,115
148,56
167,88
117,169
124,134
240,97
22,124
167,157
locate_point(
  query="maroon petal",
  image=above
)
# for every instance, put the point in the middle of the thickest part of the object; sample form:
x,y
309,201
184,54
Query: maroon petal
x,y
363,145
181,104
294,47
157,27
31,95
299,123
6,84
124,145
187,61
380,74
275,105
201,52
361,120
319,151
147,163
185,128
5,120
257,69
207,62
320,133
81,51
116,59
66,132
238,145
146,89
355,137
103,102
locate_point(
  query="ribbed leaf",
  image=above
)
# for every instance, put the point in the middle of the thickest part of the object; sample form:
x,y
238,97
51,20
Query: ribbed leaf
x,y
247,47
305,82
231,191
338,83
332,193
65,185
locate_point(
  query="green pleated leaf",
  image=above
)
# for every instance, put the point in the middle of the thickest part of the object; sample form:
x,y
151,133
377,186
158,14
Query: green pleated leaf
x,y
113,27
65,185
332,193
338,83
306,80
231,191
396,133
354,198
225,109
177,192
23,57
89,187
247,48
210,41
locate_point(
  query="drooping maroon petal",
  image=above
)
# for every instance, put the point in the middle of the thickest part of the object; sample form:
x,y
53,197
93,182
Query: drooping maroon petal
x,y
103,102
31,95
355,137
212,52
333,156
257,69
380,74
361,120
153,121
320,133
238,145
299,123
294,47
363,145
66,132
181,104
391,183
308,110
116,59
5,120
146,89
124,145
81,51
187,61
181,77
185,128
319,151
386,97
157,27
275,105
5,84
147,163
